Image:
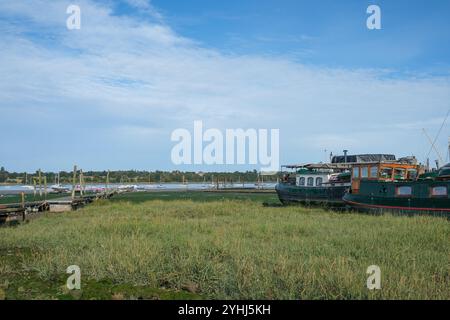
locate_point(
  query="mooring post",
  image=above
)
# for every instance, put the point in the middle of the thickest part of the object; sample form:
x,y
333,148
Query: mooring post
x,y
45,186
74,179
107,183
81,182
22,195
34,187
40,182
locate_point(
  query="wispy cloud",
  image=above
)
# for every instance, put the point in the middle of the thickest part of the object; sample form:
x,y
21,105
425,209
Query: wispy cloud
x,y
124,77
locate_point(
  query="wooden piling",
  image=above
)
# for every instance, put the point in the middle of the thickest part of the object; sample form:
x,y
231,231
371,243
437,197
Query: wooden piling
x,y
81,182
45,187
107,182
74,179
22,195
40,182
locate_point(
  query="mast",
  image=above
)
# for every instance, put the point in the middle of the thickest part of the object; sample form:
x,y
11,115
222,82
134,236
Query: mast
x,y
448,155
433,147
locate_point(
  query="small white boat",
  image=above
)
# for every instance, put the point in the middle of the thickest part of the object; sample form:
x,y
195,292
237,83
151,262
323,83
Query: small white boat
x,y
59,188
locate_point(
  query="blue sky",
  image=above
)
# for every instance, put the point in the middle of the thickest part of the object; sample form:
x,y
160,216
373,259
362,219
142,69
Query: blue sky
x,y
109,95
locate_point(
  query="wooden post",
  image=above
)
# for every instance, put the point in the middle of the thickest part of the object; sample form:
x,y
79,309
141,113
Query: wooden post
x,y
40,183
107,181
74,180
81,182
22,194
45,186
34,189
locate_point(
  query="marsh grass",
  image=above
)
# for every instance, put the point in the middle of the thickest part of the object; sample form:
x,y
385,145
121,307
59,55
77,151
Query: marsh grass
x,y
237,249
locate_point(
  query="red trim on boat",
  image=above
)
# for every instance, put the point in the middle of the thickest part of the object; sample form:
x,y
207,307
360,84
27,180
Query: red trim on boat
x,y
394,207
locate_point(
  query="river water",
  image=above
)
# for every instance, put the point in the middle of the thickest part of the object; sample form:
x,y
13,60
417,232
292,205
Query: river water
x,y
14,189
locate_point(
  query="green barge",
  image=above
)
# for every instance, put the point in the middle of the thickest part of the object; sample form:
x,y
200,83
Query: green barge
x,y
322,184
399,187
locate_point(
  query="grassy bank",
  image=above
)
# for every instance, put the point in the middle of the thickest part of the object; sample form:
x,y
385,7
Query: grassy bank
x,y
17,198
197,196
225,249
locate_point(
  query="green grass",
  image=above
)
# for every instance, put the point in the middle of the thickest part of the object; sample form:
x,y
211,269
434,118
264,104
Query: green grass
x,y
221,248
138,197
17,198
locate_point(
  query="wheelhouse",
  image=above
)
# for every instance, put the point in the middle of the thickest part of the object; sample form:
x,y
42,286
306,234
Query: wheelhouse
x,y
384,171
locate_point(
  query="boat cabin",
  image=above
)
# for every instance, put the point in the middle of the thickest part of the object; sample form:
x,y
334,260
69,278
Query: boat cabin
x,y
311,178
318,175
383,171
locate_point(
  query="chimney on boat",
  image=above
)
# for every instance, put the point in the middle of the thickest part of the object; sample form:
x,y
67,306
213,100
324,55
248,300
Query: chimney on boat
x,y
345,156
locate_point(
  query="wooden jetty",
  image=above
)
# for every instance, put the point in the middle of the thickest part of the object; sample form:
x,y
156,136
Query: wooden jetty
x,y
21,211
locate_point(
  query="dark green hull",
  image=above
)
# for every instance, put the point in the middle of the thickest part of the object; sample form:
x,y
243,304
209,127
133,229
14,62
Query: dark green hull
x,y
378,196
327,196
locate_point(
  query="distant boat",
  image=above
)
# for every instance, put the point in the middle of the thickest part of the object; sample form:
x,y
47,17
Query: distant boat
x,y
59,188
128,188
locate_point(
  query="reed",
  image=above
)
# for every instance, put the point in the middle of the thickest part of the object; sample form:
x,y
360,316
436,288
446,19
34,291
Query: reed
x,y
237,249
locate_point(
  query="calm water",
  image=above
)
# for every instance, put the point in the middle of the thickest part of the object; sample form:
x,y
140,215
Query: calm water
x,y
164,186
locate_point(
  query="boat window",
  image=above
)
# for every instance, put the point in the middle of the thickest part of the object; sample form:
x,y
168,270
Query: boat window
x,y
364,172
399,173
356,172
404,191
386,173
373,171
412,174
301,181
310,181
439,191
319,181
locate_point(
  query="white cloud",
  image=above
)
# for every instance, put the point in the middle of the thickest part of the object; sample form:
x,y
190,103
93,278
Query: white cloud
x,y
137,73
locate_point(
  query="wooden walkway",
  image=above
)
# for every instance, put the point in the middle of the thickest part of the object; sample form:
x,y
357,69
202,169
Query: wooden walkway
x,y
21,211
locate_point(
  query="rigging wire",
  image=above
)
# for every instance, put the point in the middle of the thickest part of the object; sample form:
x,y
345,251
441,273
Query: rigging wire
x,y
439,132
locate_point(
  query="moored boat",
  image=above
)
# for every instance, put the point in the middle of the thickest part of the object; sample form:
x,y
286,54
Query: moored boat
x,y
321,183
399,186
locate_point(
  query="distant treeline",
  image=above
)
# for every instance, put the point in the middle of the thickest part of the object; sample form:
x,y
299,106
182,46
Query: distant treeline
x,y
135,176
